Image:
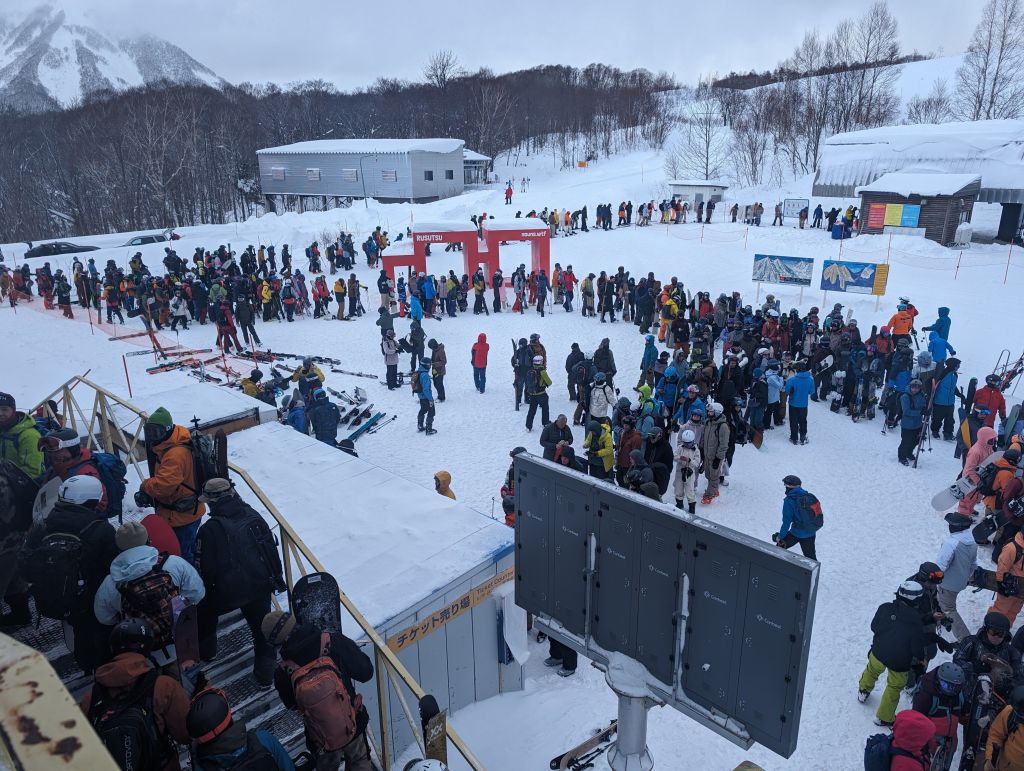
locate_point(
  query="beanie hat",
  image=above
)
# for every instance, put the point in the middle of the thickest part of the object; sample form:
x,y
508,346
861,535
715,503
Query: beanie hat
x,y
215,488
277,626
161,417
6,400
130,535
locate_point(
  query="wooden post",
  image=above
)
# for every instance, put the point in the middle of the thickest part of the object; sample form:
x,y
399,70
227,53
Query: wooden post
x,y
1009,256
957,273
889,250
746,233
702,233
124,361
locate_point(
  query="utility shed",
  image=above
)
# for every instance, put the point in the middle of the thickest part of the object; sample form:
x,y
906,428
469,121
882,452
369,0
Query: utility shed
x,y
393,170
934,203
697,190
475,167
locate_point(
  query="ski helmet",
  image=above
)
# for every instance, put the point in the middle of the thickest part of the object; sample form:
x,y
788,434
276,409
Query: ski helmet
x,y
208,716
83,490
910,591
950,678
1012,455
714,408
538,360
133,635
996,622
307,362
688,437
599,378
915,382
924,359
992,380
515,451
425,765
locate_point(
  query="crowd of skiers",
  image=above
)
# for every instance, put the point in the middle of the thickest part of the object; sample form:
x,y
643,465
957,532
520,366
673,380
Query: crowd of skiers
x,y
142,600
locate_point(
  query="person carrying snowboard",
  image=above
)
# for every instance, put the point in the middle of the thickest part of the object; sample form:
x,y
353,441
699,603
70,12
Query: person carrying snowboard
x,y
336,724
984,445
238,561
134,709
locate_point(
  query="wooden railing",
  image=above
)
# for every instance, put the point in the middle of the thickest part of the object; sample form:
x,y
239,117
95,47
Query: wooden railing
x,y
99,424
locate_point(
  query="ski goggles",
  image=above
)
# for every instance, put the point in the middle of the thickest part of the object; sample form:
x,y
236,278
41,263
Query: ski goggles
x,y
55,443
935,576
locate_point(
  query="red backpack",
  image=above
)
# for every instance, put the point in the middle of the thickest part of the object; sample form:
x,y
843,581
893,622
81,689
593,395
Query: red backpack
x,y
327,708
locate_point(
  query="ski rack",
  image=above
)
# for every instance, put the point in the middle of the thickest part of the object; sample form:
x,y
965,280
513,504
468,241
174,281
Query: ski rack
x,y
1009,372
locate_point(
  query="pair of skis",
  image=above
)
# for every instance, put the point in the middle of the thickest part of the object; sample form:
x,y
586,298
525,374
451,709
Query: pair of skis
x,y
354,374
585,755
367,426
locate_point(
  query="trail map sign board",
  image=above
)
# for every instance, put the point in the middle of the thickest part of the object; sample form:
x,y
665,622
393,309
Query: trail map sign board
x,y
776,269
791,206
720,620
857,277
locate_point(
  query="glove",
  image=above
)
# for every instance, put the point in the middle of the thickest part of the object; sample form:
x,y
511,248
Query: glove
x,y
142,500
989,765
716,463
944,645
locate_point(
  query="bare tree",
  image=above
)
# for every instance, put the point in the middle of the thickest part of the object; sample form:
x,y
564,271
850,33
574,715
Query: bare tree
x,y
442,67
702,150
989,83
933,108
752,137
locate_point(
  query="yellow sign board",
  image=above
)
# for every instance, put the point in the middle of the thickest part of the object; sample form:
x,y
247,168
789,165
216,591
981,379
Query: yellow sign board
x,y
894,214
881,279
411,635
581,164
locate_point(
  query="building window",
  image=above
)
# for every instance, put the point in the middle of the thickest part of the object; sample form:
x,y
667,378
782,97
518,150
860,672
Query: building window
x,y
389,175
449,174
277,172
350,175
313,175
428,176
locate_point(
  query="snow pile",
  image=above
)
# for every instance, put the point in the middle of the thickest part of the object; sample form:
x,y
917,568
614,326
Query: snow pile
x,y
919,183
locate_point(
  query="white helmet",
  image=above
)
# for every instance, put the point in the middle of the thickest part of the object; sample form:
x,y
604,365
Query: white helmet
x,y
688,437
910,590
714,407
425,765
81,489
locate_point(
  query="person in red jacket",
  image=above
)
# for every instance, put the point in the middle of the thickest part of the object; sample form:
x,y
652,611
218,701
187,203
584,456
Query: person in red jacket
x,y
991,398
67,458
911,734
508,195
479,362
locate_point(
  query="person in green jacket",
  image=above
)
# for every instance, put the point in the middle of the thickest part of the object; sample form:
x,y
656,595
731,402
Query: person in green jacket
x,y
19,438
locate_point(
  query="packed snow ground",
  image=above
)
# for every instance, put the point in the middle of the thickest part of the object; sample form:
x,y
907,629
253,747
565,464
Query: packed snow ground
x,y
879,522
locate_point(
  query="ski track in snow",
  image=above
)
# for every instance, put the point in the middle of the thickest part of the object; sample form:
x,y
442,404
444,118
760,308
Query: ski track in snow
x,y
879,525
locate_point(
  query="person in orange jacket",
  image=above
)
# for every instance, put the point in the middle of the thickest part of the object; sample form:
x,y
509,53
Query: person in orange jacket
x,y
901,323
1006,469
1010,563
479,361
443,484
172,488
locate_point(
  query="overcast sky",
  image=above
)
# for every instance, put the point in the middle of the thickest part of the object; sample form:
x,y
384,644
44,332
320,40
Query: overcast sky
x,y
352,42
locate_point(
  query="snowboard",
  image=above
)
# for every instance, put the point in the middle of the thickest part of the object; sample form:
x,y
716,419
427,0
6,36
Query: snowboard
x,y
315,600
1009,425
756,437
433,721
45,500
186,632
956,492
363,428
585,752
984,578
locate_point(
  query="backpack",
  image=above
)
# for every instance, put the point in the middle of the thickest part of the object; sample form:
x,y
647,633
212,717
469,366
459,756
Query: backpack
x,y
205,461
112,473
55,571
986,479
532,381
417,384
878,752
327,709
149,597
127,727
809,515
255,758
253,565
582,371
523,358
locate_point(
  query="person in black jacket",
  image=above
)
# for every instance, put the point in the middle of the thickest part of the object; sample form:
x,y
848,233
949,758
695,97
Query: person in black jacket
x,y
604,361
304,643
575,357
323,415
975,654
240,567
608,300
555,433
658,454
75,514
898,645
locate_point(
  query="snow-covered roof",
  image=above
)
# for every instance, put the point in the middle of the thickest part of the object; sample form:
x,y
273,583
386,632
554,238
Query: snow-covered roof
x,y
992,149
443,227
919,183
341,146
521,223
389,542
183,404
697,183
473,155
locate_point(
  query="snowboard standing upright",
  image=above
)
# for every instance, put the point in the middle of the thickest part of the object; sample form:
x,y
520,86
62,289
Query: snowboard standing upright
x,y
315,600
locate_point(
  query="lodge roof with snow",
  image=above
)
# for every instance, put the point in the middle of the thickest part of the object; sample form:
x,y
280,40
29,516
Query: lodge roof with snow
x,y
922,183
991,149
370,145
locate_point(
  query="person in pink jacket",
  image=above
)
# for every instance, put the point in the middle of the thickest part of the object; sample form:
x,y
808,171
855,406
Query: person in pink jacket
x,y
981,449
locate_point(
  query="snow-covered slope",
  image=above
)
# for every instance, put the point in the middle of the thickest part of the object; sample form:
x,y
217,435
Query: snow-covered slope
x,y
48,62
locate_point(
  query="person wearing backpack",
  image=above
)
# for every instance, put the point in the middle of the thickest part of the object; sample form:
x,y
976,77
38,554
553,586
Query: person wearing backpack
x,y
897,645
536,389
1009,573
800,520
238,561
221,742
315,678
19,438
67,560
421,382
67,458
905,749
142,584
133,708
1004,750
172,489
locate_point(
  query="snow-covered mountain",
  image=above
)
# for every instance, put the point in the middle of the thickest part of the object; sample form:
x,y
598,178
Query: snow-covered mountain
x,y
48,62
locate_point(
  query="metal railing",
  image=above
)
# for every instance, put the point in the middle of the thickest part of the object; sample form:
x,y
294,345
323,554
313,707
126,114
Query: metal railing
x,y
105,432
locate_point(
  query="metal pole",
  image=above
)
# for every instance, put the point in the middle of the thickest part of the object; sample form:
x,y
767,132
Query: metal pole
x,y
362,178
889,250
957,273
124,361
745,234
1009,256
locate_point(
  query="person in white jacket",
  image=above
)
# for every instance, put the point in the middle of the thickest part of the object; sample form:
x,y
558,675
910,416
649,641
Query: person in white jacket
x,y
602,397
136,560
687,462
958,557
179,310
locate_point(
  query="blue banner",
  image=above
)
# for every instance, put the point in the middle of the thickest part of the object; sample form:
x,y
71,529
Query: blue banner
x,y
776,269
911,215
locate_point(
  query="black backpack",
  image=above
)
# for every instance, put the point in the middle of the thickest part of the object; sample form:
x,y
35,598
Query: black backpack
x,y
524,358
127,725
253,561
533,382
255,758
55,572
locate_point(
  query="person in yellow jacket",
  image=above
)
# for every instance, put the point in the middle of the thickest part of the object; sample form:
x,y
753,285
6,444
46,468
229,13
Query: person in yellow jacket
x,y
340,292
443,484
1004,750
600,450
267,299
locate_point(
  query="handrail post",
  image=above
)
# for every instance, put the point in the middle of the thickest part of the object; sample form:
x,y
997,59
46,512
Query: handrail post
x,y
382,711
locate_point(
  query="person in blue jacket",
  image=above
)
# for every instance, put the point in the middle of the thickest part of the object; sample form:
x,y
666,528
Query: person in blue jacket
x,y
425,417
941,325
650,356
939,347
690,403
667,389
324,417
945,397
296,417
415,308
914,406
799,388
794,529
